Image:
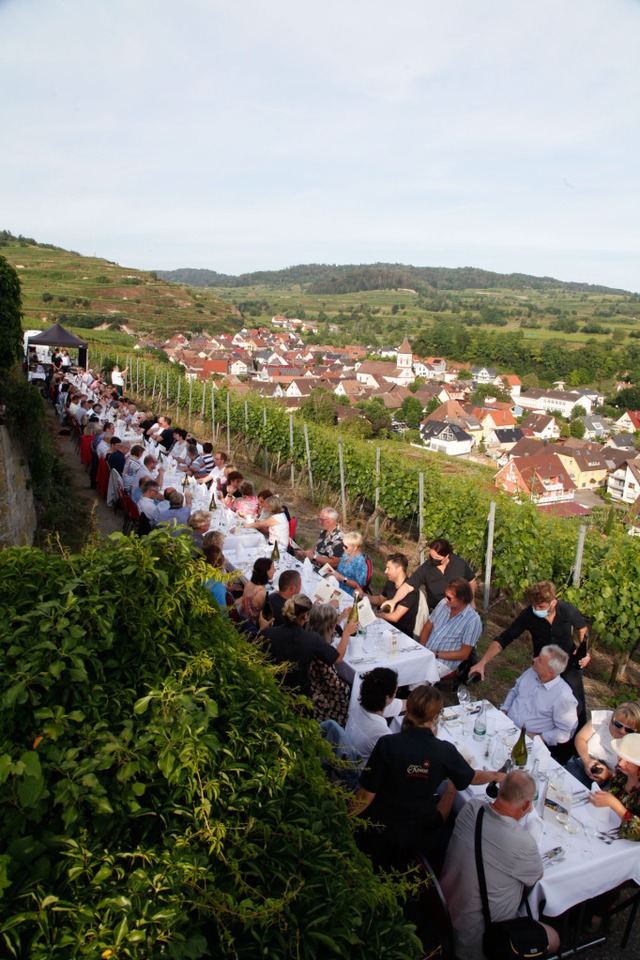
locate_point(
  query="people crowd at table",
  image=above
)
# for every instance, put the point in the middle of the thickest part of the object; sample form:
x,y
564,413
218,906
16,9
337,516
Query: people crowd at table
x,y
433,609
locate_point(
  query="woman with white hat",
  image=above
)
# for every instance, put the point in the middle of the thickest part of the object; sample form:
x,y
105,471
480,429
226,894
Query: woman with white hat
x,y
624,796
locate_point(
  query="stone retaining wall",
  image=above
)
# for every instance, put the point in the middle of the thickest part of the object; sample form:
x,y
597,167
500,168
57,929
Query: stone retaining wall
x,y
17,509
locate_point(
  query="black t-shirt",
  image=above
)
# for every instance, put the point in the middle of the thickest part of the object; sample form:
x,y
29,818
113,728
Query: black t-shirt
x,y
276,602
542,632
166,438
436,582
291,643
407,621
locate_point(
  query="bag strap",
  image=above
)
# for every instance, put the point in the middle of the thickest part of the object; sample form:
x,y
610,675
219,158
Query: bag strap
x,y
486,913
480,868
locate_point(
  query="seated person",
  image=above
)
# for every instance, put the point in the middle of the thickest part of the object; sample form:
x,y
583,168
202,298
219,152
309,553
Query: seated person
x,y
199,521
597,758
289,584
148,502
624,796
293,644
352,572
511,861
212,550
231,489
330,694
542,701
162,433
178,513
453,628
246,505
202,466
377,702
404,613
329,545
116,456
255,592
275,525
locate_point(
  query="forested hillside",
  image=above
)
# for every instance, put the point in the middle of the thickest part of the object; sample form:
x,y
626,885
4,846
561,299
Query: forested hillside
x,y
322,278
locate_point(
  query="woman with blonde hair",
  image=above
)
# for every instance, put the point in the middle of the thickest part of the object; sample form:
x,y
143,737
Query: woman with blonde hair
x,y
352,571
294,644
329,692
595,743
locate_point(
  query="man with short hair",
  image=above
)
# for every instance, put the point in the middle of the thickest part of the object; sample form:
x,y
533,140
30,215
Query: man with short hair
x,y
202,466
329,545
116,458
151,469
148,502
289,584
542,701
177,515
103,447
453,628
217,474
133,468
404,613
511,863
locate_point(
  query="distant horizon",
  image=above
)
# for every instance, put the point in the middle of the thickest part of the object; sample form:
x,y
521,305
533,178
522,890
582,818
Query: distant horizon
x,y
399,263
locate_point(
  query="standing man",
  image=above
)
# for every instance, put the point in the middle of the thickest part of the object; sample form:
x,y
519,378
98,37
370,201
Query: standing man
x,y
329,545
117,379
548,620
511,863
453,628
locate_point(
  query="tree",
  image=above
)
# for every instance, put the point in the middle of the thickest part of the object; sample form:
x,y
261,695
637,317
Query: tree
x,y
488,390
319,407
577,429
411,412
530,381
433,404
10,316
376,413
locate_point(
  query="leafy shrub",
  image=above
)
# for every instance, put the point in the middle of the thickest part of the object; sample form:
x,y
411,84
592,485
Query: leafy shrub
x,y
161,797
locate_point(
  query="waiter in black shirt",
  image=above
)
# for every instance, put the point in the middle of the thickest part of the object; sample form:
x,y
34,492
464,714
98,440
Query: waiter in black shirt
x,y
548,620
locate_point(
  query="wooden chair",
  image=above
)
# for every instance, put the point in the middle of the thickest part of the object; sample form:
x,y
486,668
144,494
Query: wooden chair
x,y
85,451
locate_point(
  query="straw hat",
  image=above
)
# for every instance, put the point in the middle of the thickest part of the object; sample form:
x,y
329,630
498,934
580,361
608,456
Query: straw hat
x,y
628,747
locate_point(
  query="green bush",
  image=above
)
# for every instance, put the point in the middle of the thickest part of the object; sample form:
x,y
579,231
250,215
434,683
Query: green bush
x,y
162,797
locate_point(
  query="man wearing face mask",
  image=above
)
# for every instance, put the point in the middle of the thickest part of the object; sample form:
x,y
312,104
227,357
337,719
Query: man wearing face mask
x,y
549,621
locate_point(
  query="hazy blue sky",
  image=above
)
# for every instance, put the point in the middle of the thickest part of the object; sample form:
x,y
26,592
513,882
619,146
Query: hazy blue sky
x,y
239,136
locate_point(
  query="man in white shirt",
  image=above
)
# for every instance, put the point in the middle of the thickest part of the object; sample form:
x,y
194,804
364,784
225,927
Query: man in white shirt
x,y
542,701
511,862
367,720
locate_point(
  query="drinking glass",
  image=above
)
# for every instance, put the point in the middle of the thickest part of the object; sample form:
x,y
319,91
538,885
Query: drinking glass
x,y
463,697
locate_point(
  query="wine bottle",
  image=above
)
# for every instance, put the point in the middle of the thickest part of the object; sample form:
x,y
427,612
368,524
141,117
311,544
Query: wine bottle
x,y
267,611
275,553
354,617
492,787
212,504
519,753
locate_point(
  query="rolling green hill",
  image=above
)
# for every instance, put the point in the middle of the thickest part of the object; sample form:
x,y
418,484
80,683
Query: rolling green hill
x,y
106,302
322,278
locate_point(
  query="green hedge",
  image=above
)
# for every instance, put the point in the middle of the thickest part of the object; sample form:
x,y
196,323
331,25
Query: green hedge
x,y
161,797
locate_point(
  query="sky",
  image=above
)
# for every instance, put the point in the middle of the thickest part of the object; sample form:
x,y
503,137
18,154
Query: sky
x,y
235,137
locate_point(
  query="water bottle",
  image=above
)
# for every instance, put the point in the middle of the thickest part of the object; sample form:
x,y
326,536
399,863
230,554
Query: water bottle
x,y
480,726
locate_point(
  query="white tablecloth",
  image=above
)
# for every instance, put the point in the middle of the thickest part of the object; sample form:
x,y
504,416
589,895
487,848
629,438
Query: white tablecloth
x,y
590,866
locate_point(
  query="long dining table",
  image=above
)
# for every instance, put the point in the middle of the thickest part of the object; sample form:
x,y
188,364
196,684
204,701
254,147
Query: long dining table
x,y
582,858
378,645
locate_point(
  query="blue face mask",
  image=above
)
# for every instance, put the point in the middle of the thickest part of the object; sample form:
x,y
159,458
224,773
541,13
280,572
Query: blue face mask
x,y
540,613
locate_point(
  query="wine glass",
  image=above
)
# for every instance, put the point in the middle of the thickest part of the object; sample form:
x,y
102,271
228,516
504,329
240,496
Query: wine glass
x,y
463,697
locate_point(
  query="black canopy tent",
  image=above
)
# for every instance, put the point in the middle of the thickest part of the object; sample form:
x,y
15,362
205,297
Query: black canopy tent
x,y
57,336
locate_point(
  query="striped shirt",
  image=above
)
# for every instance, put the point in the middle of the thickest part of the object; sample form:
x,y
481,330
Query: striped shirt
x,y
451,633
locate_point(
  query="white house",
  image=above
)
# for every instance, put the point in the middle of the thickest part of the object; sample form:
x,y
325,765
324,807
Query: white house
x,y
624,483
445,438
554,401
